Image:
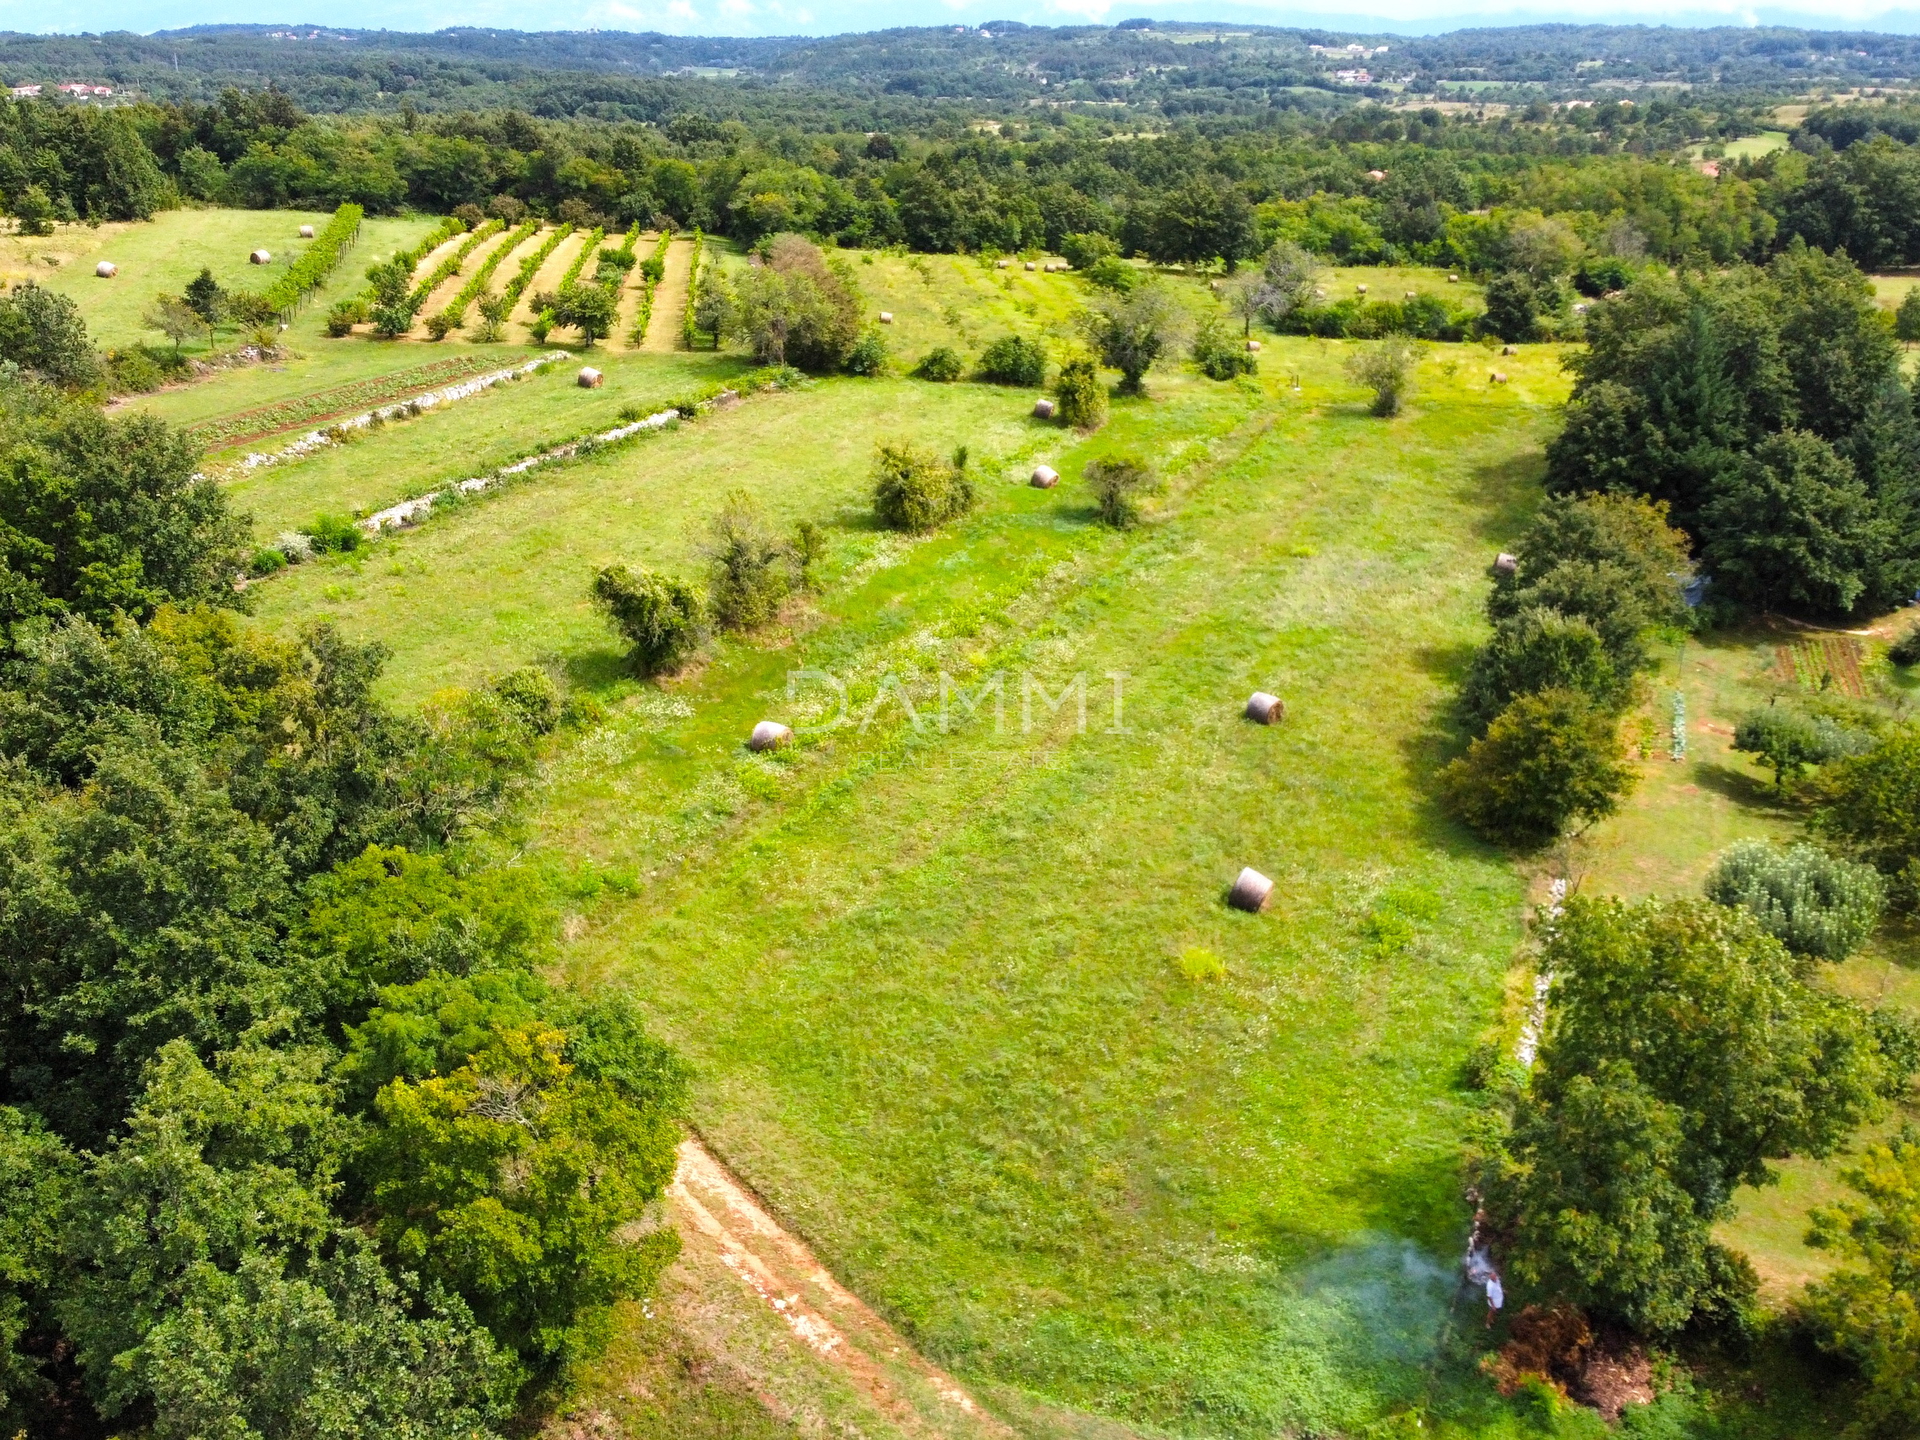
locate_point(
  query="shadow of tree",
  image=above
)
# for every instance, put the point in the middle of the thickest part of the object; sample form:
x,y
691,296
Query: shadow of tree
x,y
1505,493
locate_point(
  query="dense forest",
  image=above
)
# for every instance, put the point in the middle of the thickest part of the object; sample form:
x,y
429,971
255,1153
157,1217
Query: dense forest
x,y
1369,185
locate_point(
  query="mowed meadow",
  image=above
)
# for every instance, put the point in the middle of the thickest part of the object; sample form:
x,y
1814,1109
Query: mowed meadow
x,y
963,1000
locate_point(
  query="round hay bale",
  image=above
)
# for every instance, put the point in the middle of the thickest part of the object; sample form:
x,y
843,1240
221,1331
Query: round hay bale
x,y
590,378
769,735
1266,709
306,232
1498,377
106,269
260,257
1043,409
1253,347
1453,279
1045,477
1505,564
1359,289
886,317
1413,294
1250,892
1032,266
1003,264
1509,350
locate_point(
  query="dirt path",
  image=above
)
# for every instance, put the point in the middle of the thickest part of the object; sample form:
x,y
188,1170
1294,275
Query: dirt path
x,y
670,300
630,294
831,1321
434,256
444,292
546,278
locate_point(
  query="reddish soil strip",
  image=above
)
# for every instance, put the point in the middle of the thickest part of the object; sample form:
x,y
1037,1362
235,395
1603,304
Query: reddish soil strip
x,y
304,411
824,1315
1811,661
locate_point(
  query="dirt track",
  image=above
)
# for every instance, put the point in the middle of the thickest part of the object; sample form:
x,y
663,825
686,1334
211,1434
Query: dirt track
x,y
833,1322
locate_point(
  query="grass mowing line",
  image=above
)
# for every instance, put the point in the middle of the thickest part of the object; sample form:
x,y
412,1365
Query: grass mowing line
x,y
264,420
1055,1162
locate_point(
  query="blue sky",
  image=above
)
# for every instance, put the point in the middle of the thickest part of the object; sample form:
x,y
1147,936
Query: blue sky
x,y
819,17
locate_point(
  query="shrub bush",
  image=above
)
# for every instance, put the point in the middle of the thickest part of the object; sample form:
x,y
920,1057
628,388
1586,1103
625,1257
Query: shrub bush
x,y
1386,369
344,315
1219,354
869,353
1541,649
1547,761
1110,272
441,324
749,570
1786,741
1086,249
1814,903
1906,650
1014,360
1119,483
942,364
1080,395
660,617
134,371
265,561
334,534
532,695
913,490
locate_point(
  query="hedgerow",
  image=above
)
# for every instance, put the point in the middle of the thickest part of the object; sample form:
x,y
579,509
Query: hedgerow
x,y
310,271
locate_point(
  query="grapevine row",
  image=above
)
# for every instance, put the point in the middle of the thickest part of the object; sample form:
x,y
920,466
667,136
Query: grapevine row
x,y
310,271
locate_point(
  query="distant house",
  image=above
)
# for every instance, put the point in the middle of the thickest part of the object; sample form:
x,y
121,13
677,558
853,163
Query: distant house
x,y
1352,77
25,92
79,89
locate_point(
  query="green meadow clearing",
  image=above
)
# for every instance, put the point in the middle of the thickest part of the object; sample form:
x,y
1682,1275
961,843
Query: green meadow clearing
x,y
964,1002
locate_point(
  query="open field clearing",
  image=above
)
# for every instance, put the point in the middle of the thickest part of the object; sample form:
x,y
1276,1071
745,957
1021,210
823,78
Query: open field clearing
x,y
469,437
932,984
167,252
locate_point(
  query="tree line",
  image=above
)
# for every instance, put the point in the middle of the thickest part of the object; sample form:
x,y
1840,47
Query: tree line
x,y
294,1139
1370,186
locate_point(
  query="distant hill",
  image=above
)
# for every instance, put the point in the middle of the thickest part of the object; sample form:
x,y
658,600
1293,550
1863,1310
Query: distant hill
x,y
1173,67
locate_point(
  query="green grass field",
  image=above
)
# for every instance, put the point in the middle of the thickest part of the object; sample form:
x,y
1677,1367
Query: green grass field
x,y
168,251
932,983
951,992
